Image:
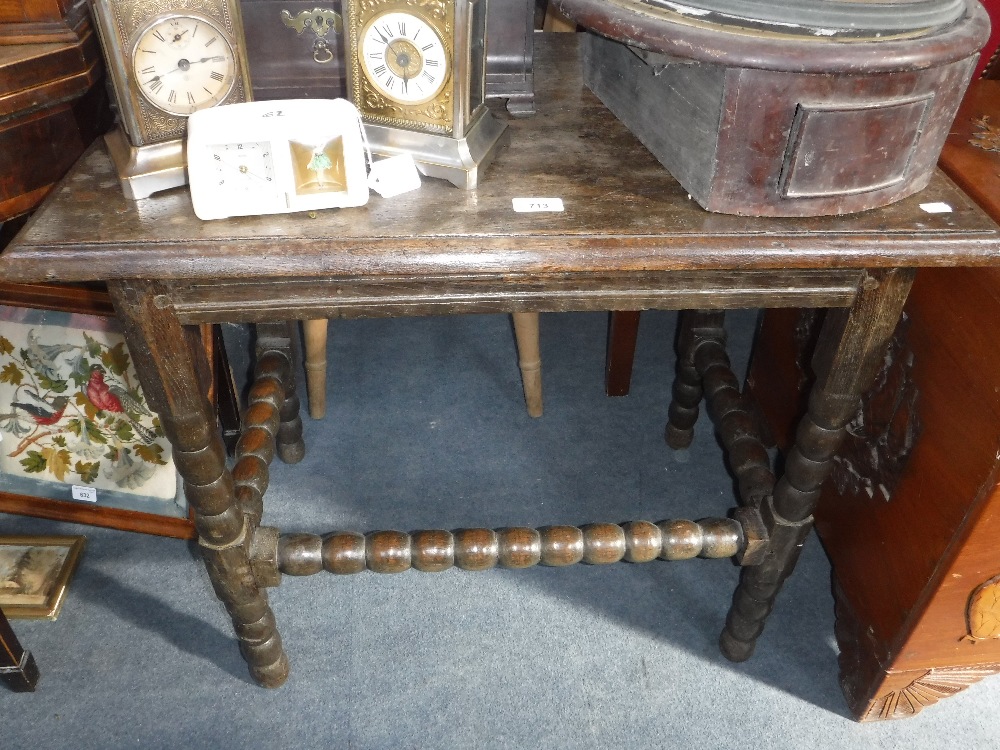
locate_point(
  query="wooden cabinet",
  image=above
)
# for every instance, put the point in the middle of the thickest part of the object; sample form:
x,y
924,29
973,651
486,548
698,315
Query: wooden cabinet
x,y
911,517
52,105
37,21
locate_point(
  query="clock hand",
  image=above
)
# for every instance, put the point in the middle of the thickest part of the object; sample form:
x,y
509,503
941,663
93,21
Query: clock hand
x,y
242,168
185,65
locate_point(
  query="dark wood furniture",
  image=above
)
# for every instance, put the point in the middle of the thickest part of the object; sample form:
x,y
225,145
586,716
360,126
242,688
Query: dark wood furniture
x,y
800,118
17,666
912,518
43,21
629,236
52,106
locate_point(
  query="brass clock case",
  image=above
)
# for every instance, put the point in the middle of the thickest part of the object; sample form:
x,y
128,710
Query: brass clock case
x,y
436,114
452,134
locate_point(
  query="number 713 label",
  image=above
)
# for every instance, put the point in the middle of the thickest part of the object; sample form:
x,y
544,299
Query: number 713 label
x,y
530,205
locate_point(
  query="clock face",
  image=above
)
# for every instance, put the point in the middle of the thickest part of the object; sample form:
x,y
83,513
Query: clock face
x,y
403,57
183,63
244,168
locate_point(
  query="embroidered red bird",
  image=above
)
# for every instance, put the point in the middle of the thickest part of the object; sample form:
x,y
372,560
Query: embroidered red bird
x,y
113,398
43,412
100,393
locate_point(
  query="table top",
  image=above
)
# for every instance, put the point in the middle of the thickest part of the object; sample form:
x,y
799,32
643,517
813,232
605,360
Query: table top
x,y
623,212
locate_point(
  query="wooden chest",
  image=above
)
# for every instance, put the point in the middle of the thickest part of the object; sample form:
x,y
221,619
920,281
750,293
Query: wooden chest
x,y
912,516
758,123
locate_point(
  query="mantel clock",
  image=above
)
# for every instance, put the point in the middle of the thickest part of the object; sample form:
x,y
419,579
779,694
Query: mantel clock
x,y
416,72
167,59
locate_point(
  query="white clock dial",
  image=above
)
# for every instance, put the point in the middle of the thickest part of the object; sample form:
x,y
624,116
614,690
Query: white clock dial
x,y
403,57
243,168
183,63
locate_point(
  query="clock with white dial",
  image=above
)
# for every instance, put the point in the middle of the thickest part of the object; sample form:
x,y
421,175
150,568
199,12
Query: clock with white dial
x,y
416,72
276,157
245,168
166,59
183,63
404,57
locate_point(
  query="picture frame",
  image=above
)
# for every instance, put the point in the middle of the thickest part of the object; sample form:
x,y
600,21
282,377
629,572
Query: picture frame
x,y
46,478
35,572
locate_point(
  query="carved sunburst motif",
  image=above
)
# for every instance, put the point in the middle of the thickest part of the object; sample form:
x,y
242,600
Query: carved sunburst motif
x,y
926,691
988,138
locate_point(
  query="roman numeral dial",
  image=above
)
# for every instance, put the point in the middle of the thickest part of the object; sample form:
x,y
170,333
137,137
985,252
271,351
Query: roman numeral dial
x,y
403,57
183,63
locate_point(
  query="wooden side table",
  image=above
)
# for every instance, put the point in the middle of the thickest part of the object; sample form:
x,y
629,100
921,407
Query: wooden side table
x,y
911,520
628,239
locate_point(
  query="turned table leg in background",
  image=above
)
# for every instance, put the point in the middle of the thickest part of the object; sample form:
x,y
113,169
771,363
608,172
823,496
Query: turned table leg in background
x,y
529,359
170,365
281,339
848,354
686,392
315,334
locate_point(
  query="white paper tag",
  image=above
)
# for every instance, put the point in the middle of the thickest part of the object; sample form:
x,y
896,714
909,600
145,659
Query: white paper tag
x,y
394,176
87,494
936,208
532,205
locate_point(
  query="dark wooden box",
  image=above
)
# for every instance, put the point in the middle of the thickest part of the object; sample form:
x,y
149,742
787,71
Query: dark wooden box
x,y
288,64
294,56
34,21
53,103
803,139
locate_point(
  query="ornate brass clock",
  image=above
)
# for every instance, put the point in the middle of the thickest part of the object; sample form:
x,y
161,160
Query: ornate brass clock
x,y
167,59
416,72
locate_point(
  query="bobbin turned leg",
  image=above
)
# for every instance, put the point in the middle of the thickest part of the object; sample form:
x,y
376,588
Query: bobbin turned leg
x,y
848,355
694,326
169,362
282,339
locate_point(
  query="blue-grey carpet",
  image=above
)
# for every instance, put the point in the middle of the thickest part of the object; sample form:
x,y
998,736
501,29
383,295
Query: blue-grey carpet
x,y
427,429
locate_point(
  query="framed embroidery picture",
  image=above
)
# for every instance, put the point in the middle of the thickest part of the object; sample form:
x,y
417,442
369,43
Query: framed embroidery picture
x,y
78,441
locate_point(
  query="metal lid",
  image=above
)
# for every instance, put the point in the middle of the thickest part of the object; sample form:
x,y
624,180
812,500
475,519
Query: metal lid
x,y
821,17
700,34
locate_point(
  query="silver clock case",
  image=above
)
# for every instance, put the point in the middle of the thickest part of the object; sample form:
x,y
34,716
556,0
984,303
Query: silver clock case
x,y
148,153
461,161
144,170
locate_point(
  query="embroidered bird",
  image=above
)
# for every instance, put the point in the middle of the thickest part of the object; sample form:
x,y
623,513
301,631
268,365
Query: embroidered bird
x,y
43,412
113,398
43,356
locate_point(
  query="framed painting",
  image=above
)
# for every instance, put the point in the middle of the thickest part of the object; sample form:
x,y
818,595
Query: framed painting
x,y
35,572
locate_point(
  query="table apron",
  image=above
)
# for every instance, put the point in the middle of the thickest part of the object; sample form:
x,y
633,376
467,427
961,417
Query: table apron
x,y
339,297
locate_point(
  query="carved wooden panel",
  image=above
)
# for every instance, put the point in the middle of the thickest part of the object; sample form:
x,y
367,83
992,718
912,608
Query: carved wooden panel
x,y
881,436
924,691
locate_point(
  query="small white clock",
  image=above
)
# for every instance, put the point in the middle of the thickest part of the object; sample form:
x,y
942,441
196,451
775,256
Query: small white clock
x,y
276,157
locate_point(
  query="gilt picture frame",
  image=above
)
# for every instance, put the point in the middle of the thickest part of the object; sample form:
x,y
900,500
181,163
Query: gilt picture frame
x,y
35,572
